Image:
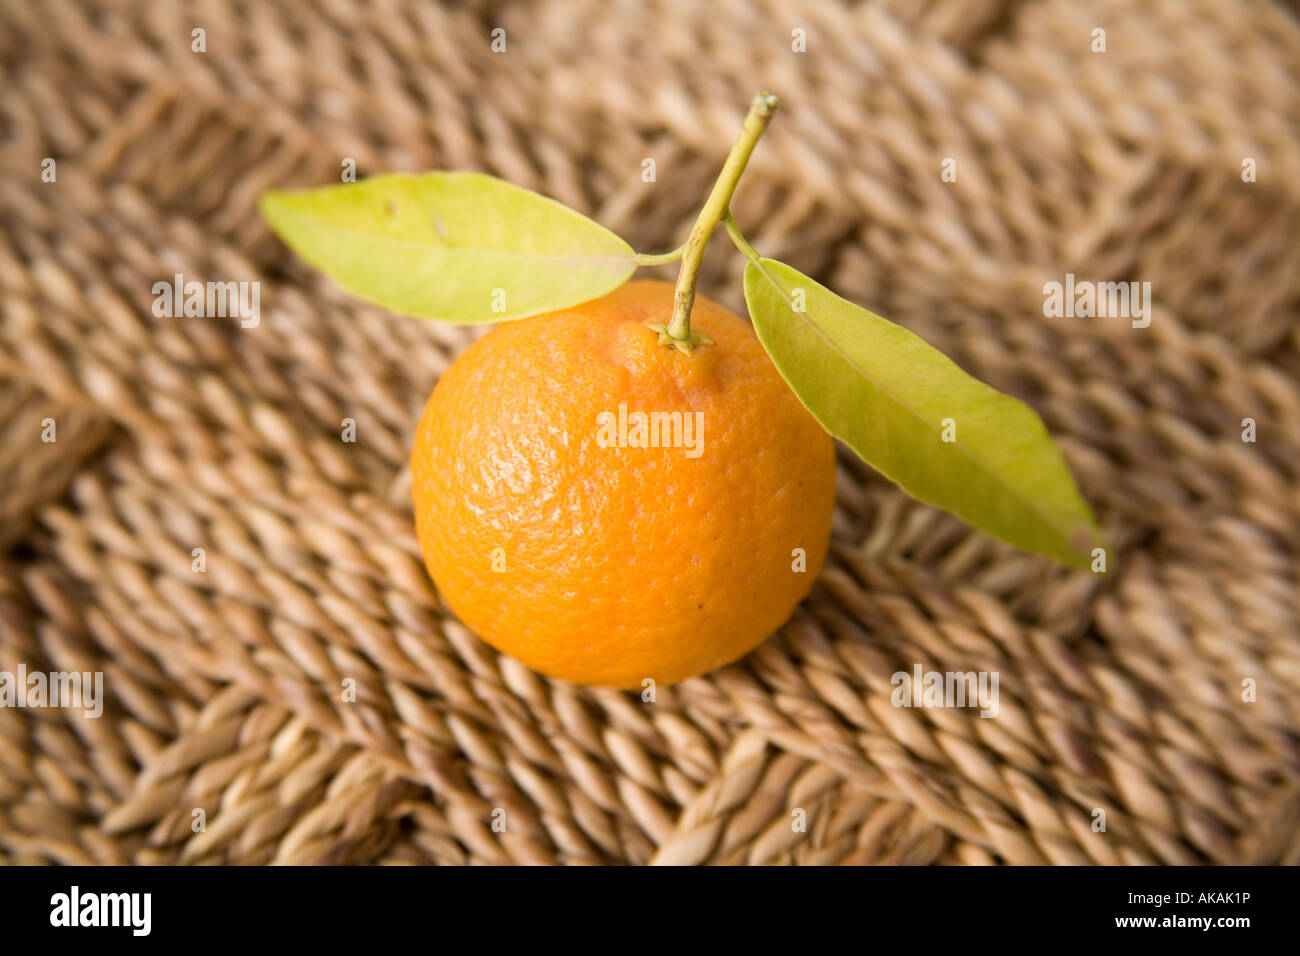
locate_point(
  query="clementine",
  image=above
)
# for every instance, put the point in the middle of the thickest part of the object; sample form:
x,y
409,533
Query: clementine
x,y
607,510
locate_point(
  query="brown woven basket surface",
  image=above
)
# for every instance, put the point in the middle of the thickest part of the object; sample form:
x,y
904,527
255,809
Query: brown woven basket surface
x,y
1121,692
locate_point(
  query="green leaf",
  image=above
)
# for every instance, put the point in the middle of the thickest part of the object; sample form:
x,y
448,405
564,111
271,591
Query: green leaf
x,y
887,394
460,247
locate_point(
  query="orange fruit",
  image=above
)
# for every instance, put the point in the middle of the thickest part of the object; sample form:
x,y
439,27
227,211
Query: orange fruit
x,y
558,532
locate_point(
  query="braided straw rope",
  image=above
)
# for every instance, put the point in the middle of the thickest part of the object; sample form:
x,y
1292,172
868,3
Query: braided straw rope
x,y
1120,693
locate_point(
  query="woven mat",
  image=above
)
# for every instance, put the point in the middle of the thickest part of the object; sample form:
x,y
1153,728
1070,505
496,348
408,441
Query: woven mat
x,y
1120,693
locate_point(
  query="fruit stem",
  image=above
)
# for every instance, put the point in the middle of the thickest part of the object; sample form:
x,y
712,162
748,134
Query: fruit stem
x,y
678,331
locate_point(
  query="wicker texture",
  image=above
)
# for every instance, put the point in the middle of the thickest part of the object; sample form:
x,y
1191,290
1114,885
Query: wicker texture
x,y
1121,693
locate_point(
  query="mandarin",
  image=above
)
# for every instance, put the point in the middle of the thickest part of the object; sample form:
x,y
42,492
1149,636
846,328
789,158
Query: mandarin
x,y
593,549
